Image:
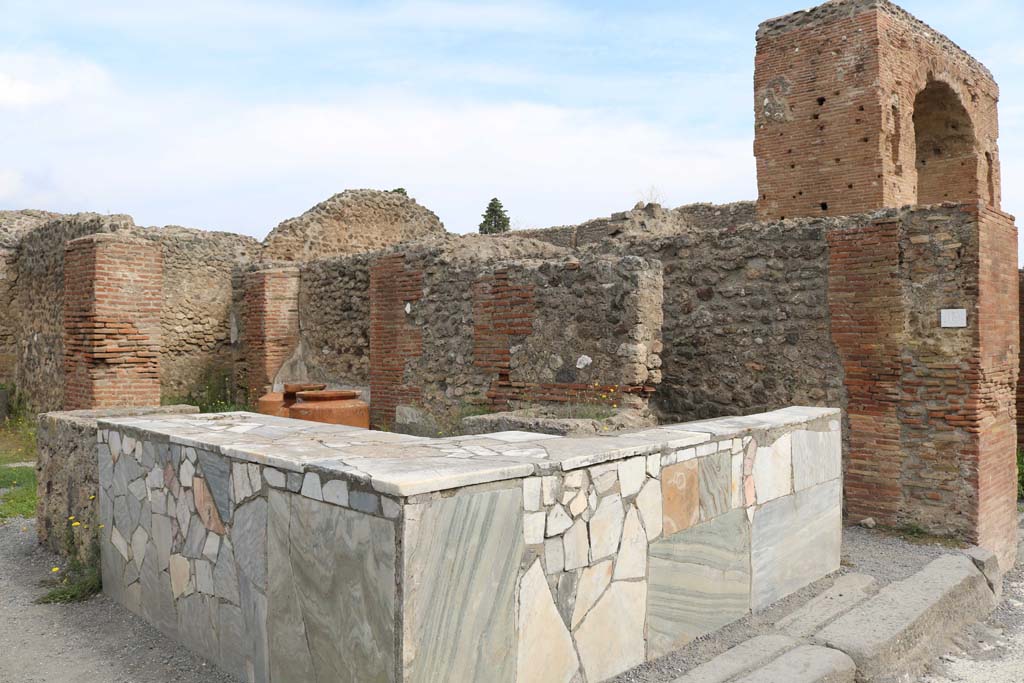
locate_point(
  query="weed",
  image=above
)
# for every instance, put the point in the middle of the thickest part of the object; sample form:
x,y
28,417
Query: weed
x,y
17,492
215,394
81,580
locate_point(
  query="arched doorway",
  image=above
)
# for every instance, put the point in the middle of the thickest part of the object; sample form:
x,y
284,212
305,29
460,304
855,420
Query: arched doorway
x,y
947,163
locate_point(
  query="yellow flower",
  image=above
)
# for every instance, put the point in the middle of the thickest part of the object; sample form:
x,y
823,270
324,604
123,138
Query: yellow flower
x,y
615,405
71,518
55,570
101,526
76,524
92,497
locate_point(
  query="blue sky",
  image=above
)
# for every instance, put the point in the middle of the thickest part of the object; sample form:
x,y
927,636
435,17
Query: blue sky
x,y
237,114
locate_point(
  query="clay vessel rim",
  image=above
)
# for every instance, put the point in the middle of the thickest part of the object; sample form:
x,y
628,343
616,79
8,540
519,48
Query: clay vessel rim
x,y
330,395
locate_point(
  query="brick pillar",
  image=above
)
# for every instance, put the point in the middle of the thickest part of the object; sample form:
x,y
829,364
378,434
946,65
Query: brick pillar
x,y
113,291
1020,377
271,327
932,410
995,390
394,340
867,319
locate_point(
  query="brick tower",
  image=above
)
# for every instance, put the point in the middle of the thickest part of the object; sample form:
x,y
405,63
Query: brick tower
x,y
859,107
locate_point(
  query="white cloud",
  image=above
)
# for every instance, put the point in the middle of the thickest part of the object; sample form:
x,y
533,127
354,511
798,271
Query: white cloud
x,y
28,79
11,185
207,160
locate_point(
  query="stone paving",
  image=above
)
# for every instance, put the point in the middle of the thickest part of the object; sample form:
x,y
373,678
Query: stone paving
x,y
286,550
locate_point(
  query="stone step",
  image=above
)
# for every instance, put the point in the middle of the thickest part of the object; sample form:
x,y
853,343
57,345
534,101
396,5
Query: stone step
x,y
738,660
892,635
847,592
805,664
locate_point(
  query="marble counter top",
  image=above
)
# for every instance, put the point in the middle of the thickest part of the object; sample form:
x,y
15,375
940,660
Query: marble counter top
x,y
402,465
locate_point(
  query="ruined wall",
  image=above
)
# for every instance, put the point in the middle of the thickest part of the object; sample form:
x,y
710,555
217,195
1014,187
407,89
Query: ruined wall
x,y
746,323
351,222
68,477
334,323
198,342
496,322
38,304
195,321
840,127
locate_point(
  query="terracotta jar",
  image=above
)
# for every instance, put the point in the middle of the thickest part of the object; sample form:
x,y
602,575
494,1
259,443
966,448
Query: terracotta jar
x,y
333,407
278,402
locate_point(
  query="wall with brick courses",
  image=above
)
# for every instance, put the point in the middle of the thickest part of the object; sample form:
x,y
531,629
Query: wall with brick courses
x,y
271,323
930,409
999,340
112,299
196,332
835,91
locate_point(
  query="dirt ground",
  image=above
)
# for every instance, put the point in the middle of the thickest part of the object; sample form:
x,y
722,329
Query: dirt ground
x,y
91,642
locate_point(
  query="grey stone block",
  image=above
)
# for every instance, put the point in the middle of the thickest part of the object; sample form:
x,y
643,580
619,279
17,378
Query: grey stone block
x,y
217,471
817,458
987,563
249,538
699,581
333,580
738,660
805,664
484,531
847,592
795,540
894,634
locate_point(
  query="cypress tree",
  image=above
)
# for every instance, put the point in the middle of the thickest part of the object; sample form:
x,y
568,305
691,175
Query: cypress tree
x,y
495,219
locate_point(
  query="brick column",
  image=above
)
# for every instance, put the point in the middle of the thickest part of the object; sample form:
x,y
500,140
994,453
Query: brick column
x,y
113,291
867,319
271,327
995,390
932,410
393,339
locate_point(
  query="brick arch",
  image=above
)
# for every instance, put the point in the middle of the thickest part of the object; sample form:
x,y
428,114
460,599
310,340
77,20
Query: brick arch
x,y
946,148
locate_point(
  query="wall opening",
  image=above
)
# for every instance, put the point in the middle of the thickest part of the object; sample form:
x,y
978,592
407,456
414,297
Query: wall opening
x,y
947,165
897,141
991,179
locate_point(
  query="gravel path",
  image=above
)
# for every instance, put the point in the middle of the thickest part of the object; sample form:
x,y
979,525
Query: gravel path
x,y
91,642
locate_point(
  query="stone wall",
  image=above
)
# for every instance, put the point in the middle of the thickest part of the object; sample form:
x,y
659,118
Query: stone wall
x,y
351,222
194,317
594,554
68,476
859,106
474,323
746,318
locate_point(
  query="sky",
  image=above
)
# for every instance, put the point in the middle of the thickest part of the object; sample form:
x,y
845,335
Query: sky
x,y
236,114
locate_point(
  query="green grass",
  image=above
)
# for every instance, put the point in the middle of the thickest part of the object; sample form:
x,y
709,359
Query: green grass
x,y
17,492
17,440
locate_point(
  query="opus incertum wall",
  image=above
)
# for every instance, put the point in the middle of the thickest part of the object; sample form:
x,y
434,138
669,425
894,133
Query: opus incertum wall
x,y
294,551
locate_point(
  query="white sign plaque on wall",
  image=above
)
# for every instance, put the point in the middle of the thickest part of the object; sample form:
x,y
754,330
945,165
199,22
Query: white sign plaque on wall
x,y
953,317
